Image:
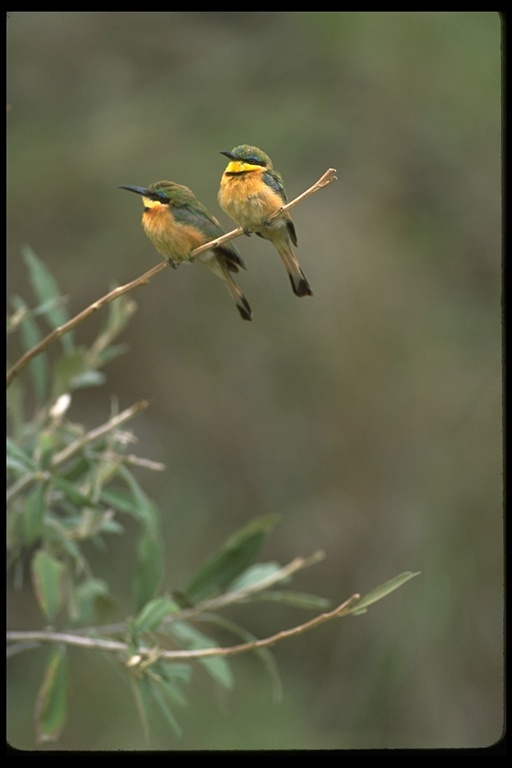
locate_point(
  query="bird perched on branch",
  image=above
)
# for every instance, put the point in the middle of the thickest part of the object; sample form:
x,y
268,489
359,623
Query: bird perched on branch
x,y
177,223
250,191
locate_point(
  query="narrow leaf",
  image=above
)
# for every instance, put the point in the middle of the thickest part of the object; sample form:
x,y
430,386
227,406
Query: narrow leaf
x,y
38,367
51,707
153,613
296,599
216,666
68,369
141,691
237,554
92,598
48,580
47,291
254,574
149,567
142,508
34,513
71,492
381,591
263,654
16,457
160,692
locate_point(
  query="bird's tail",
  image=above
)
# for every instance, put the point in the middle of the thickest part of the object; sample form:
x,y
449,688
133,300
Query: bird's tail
x,y
220,268
300,285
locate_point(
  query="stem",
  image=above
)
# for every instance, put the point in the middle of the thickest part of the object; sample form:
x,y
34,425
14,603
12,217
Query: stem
x,y
116,646
73,448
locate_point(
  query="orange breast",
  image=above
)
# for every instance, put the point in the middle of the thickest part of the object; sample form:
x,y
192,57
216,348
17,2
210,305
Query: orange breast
x,y
172,240
247,199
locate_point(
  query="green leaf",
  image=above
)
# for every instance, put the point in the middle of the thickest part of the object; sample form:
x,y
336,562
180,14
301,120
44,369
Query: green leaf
x,y
17,458
71,492
47,291
254,574
296,599
379,592
174,672
46,445
16,408
89,378
48,580
68,369
235,557
110,353
91,598
150,564
33,516
142,508
119,499
216,666
153,613
51,707
31,336
119,314
264,655
161,691
141,688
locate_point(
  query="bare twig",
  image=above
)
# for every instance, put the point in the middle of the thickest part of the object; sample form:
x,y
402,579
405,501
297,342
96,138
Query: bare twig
x,y
323,181
57,333
97,432
77,445
20,364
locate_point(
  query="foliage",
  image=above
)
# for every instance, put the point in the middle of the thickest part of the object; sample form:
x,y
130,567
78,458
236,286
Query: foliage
x,y
70,489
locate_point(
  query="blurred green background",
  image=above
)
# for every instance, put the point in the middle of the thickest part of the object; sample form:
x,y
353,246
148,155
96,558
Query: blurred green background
x,y
368,417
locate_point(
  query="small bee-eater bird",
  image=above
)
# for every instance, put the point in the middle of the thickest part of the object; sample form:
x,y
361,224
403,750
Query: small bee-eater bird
x,y
250,191
177,223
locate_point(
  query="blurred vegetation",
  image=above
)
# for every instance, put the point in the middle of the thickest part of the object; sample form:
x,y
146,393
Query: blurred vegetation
x,y
368,417
68,492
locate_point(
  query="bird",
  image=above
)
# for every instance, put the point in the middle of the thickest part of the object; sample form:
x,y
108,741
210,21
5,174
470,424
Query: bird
x,y
176,222
250,191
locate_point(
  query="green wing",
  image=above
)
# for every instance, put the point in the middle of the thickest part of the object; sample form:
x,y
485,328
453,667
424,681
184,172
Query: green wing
x,y
197,215
274,180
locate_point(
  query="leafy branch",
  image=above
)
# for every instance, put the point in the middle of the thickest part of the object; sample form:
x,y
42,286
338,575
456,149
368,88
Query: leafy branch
x,y
352,606
78,445
326,178
71,487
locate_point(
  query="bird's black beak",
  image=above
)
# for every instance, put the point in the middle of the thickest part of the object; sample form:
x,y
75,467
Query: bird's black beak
x,y
146,193
138,190
229,154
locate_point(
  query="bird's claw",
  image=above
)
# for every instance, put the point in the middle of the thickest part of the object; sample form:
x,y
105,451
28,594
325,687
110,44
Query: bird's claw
x,y
172,263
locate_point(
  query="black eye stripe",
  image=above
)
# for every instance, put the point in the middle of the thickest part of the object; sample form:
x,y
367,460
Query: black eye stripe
x,y
251,161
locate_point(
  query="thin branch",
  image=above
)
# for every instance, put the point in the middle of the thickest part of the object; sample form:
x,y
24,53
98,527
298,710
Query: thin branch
x,y
77,445
328,177
215,603
115,646
57,333
23,361
240,595
97,432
